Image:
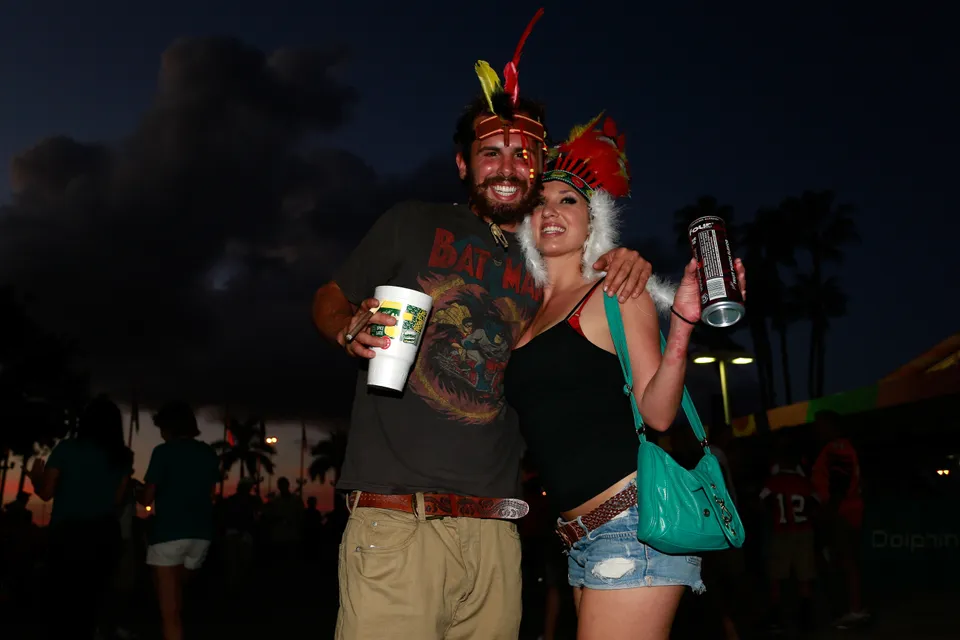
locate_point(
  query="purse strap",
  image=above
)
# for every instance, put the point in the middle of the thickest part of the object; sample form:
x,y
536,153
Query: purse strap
x,y
615,320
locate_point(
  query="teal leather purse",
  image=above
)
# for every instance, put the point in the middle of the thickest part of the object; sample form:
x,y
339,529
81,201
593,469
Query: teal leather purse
x,y
681,512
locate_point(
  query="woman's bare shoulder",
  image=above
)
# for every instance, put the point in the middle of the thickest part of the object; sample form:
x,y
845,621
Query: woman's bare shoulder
x,y
640,313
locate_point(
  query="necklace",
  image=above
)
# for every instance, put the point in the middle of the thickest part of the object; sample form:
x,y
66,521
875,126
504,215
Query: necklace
x,y
498,236
501,241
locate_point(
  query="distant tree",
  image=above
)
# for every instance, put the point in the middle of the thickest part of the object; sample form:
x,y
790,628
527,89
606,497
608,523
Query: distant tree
x,y
245,447
821,302
757,316
812,225
41,389
824,229
768,249
328,454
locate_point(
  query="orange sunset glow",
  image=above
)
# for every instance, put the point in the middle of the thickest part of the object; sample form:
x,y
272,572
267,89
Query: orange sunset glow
x,y
284,437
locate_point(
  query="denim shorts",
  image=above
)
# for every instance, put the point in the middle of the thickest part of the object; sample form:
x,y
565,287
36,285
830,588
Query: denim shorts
x,y
611,557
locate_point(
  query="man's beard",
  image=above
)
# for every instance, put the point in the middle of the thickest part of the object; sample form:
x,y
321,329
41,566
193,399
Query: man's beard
x,y
505,212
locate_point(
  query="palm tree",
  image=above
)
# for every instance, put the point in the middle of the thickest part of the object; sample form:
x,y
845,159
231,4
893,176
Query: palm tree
x,y
246,447
785,312
40,424
826,228
757,316
329,454
39,386
767,250
821,302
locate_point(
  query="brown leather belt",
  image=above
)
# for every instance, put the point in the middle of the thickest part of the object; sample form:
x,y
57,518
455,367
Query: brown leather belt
x,y
444,505
572,531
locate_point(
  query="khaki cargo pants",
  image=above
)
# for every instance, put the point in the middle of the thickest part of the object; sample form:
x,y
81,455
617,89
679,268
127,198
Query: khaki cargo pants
x,y
403,576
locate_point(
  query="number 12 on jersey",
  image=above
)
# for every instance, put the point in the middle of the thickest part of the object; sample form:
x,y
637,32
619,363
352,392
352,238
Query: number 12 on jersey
x,y
798,505
791,492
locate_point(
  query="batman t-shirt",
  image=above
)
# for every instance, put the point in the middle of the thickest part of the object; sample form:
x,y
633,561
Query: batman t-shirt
x,y
450,431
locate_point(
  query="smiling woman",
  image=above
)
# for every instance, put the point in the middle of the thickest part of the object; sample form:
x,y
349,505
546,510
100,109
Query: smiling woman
x,y
566,219
566,383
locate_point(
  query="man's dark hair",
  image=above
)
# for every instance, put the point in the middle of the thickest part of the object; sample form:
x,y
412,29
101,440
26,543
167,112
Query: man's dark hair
x,y
464,136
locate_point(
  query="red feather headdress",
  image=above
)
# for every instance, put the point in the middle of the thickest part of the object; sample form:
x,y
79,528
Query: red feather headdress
x,y
503,99
593,162
592,159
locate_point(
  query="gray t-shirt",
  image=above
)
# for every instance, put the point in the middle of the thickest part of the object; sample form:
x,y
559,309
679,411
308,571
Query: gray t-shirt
x,y
451,430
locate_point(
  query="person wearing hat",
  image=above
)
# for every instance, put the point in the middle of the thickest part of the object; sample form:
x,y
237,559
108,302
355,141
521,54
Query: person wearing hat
x,y
431,549
566,384
180,481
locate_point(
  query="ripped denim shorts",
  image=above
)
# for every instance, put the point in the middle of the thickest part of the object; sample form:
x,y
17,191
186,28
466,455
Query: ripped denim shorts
x,y
611,557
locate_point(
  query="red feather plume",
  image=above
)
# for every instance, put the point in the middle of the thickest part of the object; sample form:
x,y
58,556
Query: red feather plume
x,y
511,84
597,157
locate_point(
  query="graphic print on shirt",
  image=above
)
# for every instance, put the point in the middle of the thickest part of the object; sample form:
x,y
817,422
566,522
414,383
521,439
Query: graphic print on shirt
x,y
481,304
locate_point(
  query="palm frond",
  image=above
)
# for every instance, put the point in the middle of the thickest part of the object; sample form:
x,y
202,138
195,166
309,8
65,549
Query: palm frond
x,y
267,464
220,446
328,453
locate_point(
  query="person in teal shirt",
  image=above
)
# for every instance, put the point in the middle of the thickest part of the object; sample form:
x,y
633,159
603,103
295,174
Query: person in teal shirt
x,y
86,476
180,481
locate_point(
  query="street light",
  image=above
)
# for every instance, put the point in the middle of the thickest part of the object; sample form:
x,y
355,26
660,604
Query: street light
x,y
722,357
270,440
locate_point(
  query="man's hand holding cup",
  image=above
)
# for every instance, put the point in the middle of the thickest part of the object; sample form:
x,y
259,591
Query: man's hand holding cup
x,y
389,326
355,336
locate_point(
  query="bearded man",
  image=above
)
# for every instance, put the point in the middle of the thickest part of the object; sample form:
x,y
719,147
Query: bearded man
x,y
433,474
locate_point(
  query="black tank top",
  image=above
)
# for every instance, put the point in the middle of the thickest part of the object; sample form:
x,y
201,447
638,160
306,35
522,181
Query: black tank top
x,y
574,416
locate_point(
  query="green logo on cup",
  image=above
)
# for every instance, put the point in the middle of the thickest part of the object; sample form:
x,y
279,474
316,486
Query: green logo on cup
x,y
413,321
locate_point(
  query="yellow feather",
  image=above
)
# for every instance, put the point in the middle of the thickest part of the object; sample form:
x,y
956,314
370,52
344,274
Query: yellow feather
x,y
489,80
579,130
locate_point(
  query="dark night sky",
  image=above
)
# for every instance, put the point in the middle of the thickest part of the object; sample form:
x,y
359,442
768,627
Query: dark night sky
x,y
750,104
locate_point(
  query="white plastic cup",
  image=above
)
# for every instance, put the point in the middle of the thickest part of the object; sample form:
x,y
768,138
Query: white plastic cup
x,y
390,367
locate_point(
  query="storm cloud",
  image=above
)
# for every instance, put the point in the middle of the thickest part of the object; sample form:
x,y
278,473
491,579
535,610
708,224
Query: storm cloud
x,y
183,258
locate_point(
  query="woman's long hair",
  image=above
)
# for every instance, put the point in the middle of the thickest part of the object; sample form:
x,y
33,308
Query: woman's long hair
x,y
102,424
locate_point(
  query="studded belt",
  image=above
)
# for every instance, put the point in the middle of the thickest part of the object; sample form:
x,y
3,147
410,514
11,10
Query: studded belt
x,y
572,531
444,505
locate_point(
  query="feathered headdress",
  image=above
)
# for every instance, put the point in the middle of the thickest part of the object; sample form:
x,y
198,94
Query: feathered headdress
x,y
593,161
502,99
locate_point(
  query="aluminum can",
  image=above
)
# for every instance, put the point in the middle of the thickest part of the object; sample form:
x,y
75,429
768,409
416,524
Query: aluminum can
x,y
721,303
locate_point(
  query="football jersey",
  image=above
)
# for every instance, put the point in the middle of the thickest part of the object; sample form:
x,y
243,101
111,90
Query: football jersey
x,y
791,493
